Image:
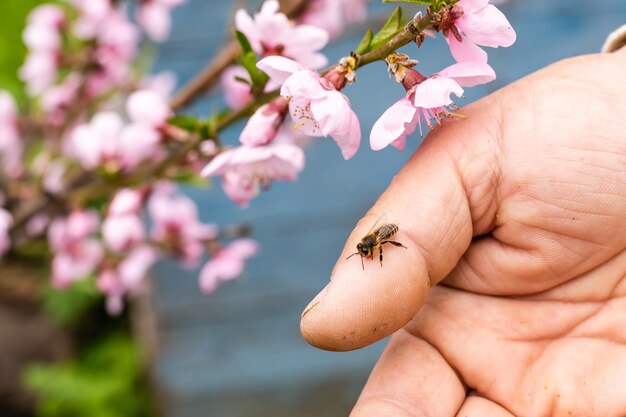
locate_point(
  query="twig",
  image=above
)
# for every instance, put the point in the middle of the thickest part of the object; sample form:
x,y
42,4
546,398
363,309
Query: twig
x,y
210,74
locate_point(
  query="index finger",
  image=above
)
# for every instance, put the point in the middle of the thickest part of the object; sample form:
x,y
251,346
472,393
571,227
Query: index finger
x,y
437,219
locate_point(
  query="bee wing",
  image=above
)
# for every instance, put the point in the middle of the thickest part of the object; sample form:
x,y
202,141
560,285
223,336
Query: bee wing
x,y
381,220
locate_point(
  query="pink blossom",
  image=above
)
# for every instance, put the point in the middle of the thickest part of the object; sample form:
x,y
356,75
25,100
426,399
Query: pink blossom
x,y
53,177
154,17
148,108
39,71
126,201
265,123
37,225
123,232
92,18
117,46
64,234
106,142
6,220
271,33
48,15
80,263
42,30
476,22
227,264
429,99
334,15
10,144
176,224
76,252
162,83
245,170
315,104
126,277
57,99
116,41
236,93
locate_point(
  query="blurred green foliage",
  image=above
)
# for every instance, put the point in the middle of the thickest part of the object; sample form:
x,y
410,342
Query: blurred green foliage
x,y
12,50
67,307
104,381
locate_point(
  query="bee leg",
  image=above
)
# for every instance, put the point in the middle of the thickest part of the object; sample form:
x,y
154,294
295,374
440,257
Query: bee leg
x,y
394,243
380,251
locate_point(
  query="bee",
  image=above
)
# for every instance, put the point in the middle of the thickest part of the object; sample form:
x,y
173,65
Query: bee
x,y
375,239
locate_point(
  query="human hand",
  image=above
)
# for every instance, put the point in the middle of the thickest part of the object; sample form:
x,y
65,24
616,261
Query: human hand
x,y
519,213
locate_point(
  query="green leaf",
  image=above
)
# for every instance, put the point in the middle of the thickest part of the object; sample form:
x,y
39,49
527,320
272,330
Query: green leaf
x,y
243,42
103,380
189,177
364,45
188,123
389,30
258,77
242,80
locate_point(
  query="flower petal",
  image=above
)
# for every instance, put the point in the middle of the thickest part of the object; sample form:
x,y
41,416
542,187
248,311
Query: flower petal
x,y
487,27
279,68
304,84
469,74
336,118
466,50
394,125
435,92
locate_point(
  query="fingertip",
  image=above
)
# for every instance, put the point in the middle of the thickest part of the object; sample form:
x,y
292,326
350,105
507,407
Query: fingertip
x,y
359,307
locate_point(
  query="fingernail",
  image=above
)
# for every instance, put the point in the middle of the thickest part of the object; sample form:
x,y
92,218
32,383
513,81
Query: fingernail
x,y
314,302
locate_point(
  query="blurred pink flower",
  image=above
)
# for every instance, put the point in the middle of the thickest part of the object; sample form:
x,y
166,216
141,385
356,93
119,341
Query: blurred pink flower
x,y
39,71
126,277
37,225
429,99
162,83
271,33
6,220
315,104
76,252
92,18
245,170
123,232
53,177
56,99
126,201
106,142
265,123
49,15
42,31
236,93
10,143
476,22
117,45
155,17
227,264
175,224
66,233
148,108
334,15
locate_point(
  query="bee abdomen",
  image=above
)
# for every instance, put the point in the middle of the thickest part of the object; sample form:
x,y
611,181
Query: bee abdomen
x,y
386,231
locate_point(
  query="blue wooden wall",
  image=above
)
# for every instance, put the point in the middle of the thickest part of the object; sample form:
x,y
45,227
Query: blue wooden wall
x,y
238,352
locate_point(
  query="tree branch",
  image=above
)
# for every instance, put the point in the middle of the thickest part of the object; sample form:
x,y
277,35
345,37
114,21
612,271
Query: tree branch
x,y
210,74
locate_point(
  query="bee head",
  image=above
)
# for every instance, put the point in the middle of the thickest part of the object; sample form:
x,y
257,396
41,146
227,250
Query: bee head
x,y
363,250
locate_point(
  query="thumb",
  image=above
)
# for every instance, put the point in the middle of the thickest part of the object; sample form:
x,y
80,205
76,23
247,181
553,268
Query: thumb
x,y
439,200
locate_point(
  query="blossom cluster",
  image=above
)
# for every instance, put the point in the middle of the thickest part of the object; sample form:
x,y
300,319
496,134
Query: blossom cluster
x,y
91,168
316,104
